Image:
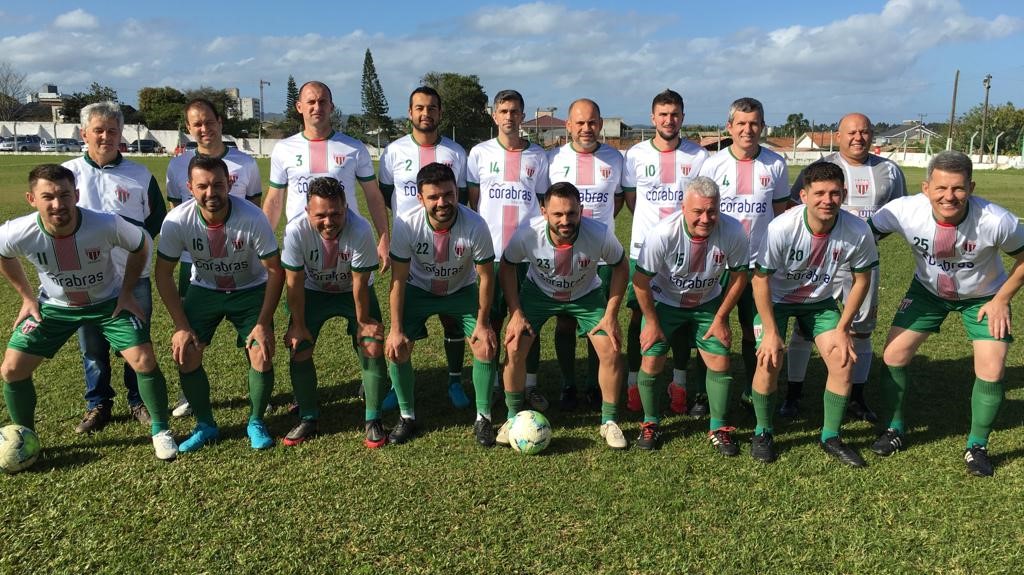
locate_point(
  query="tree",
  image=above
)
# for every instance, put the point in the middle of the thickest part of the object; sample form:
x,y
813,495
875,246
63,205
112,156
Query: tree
x,y
356,127
71,109
161,108
1001,118
375,105
465,106
795,125
12,92
292,121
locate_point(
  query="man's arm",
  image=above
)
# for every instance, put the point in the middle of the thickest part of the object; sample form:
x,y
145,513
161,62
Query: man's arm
x,y
295,294
651,332
997,309
617,288
485,272
379,216
719,327
474,196
843,340
183,336
262,333
369,327
157,209
273,204
630,198
15,274
770,351
133,267
397,344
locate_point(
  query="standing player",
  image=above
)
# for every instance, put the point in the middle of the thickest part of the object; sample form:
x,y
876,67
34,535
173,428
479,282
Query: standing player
x,y
399,164
655,174
956,238
320,151
72,249
802,251
236,275
754,183
562,249
107,182
329,258
438,252
678,287
206,126
872,182
596,171
506,176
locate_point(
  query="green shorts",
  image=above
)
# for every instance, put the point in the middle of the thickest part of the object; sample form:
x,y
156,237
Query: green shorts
x,y
695,320
420,304
923,311
812,318
322,306
499,309
46,337
538,307
206,308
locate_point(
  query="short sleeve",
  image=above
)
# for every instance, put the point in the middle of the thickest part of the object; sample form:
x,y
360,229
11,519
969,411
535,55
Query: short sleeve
x,y
384,175
782,190
483,248
401,236
278,171
652,252
254,188
738,255
364,165
172,242
7,248
291,255
128,236
885,220
263,237
1010,237
628,173
472,173
364,256
515,252
611,251
771,255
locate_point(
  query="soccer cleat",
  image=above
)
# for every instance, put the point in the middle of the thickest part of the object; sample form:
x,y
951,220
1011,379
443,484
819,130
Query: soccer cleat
x,y
889,442
978,464
181,408
404,431
613,436
700,407
857,409
293,408
390,402
721,439
762,447
844,453
95,419
141,414
457,395
202,435
502,438
375,436
650,437
259,438
306,429
536,399
567,400
790,408
164,446
484,431
677,398
633,402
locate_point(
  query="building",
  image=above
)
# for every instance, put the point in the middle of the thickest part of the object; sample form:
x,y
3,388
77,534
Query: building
x,y
909,132
49,97
245,108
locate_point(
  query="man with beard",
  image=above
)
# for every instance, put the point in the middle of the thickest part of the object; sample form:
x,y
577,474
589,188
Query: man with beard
x,y
439,251
562,249
236,275
399,164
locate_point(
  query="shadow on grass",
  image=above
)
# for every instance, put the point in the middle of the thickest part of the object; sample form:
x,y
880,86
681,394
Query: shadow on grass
x,y
63,457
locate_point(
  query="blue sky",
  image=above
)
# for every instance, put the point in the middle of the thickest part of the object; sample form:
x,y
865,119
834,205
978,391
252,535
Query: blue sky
x,y
892,60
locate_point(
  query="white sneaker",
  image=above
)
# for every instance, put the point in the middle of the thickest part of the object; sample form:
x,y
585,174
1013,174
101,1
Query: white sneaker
x,y
165,446
613,435
502,438
182,408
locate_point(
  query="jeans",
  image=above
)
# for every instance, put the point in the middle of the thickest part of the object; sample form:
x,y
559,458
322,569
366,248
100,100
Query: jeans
x,y
96,356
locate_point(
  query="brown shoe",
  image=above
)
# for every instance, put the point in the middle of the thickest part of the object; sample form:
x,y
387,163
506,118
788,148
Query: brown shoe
x,y
95,419
141,414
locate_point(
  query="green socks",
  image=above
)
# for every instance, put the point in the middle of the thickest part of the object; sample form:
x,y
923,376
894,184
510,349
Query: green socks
x,y
483,374
196,387
985,400
403,379
764,410
514,402
649,397
261,386
894,388
375,384
835,407
718,383
609,412
153,389
303,376
20,397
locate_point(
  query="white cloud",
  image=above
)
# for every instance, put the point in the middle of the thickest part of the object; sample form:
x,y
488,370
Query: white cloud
x,y
536,19
76,20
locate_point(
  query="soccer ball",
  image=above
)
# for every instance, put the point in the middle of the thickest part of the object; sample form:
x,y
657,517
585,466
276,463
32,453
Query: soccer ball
x,y
530,432
19,448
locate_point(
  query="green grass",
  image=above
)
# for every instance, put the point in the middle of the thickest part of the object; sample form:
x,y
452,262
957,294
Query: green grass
x,y
441,504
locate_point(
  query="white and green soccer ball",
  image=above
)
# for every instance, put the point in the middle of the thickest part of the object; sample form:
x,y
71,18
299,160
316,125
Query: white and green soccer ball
x,y
530,432
19,448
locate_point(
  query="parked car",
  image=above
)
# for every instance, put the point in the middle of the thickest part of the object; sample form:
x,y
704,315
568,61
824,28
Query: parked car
x,y
230,144
60,145
6,144
146,147
21,144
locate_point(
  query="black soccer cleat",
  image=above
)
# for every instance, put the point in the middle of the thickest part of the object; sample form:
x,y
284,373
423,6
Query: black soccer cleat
x,y
790,408
889,442
403,431
484,432
700,406
650,437
978,464
762,447
842,452
721,439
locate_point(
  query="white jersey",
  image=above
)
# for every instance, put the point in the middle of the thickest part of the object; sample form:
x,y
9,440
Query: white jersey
x,y
750,189
687,271
869,186
954,262
597,175
78,269
441,261
243,176
511,183
803,265
565,272
659,180
402,160
329,263
225,257
121,187
297,160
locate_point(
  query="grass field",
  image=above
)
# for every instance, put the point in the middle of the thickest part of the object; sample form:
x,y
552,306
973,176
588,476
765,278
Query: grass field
x,y
443,505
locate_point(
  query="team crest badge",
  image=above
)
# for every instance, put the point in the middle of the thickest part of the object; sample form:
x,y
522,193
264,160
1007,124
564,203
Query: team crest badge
x,y
765,180
685,168
606,172
447,163
861,187
122,194
718,257
530,170
238,242
969,246
345,255
584,261
836,253
93,254
460,248
906,303
232,178
28,326
339,159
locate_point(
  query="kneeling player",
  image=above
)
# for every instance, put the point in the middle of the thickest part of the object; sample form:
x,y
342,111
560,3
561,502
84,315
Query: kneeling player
x,y
437,252
956,238
70,247
678,287
236,275
803,250
329,257
563,249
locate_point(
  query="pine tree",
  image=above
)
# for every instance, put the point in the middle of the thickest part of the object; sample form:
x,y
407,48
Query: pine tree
x,y
291,115
375,105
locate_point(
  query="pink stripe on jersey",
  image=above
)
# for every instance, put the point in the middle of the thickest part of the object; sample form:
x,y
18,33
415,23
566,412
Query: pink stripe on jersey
x,y
664,212
698,255
585,170
439,287
799,295
747,224
947,287
509,223
66,250
667,165
690,299
318,156
944,241
562,295
217,241
513,160
225,282
441,246
744,177
428,155
330,254
819,245
563,260
78,298
588,212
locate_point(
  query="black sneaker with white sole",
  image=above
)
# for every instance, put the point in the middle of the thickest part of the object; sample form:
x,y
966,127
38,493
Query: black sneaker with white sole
x,y
762,447
403,431
483,429
978,464
721,439
889,442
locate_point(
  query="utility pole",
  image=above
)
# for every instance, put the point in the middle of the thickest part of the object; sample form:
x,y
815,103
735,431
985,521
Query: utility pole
x,y
987,82
262,83
952,112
